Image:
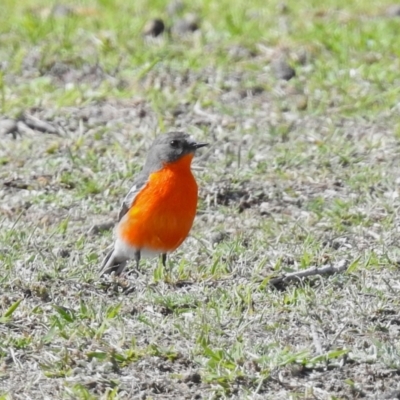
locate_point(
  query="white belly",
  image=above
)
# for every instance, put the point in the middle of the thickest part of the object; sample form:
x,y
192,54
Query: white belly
x,y
123,250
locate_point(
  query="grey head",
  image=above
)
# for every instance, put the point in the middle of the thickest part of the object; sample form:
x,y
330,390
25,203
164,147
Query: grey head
x,y
168,148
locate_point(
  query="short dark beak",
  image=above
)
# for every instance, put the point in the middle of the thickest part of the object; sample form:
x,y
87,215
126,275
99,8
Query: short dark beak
x,y
198,145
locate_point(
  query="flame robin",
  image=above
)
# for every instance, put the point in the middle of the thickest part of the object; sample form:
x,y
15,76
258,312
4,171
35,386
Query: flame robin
x,y
158,212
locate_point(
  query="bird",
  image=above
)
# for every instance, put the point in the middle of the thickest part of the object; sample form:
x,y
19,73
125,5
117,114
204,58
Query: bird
x,y
158,212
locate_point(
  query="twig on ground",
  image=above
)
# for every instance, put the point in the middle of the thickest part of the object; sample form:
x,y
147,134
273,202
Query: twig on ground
x,y
341,266
39,125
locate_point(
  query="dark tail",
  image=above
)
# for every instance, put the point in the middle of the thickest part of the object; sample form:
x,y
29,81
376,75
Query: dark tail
x,y
111,264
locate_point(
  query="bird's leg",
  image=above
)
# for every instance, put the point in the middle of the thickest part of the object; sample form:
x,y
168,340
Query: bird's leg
x,y
167,272
137,259
131,288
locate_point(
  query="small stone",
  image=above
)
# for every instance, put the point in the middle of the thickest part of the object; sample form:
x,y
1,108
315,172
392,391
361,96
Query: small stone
x,y
393,10
238,52
218,237
265,208
282,8
142,112
302,57
63,253
282,69
301,102
190,23
179,110
371,58
154,27
59,69
194,377
8,126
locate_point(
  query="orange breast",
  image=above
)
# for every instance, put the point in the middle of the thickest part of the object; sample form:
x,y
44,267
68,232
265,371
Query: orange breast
x,y
163,212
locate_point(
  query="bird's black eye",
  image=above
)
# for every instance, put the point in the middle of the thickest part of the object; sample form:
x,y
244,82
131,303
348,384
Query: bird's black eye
x,y
174,143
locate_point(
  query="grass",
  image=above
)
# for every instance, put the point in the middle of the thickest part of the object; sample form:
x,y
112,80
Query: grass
x,y
300,173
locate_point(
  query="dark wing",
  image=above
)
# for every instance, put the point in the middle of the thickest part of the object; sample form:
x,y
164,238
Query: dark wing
x,y
137,186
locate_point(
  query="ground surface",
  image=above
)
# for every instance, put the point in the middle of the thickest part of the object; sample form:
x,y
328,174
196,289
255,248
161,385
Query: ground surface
x,y
301,172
